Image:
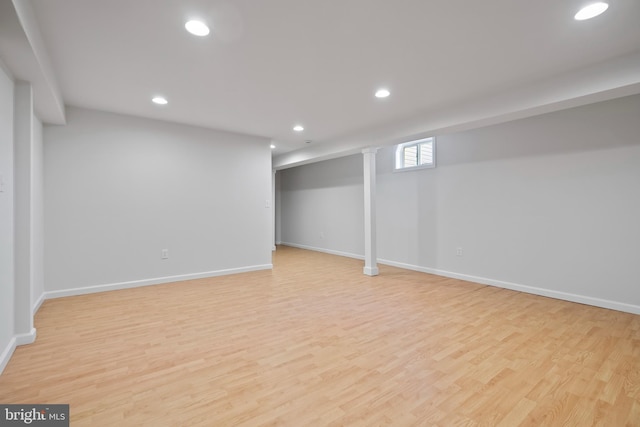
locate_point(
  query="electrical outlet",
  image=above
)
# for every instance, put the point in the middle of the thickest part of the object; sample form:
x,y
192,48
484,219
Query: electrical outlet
x,y
165,254
458,251
322,234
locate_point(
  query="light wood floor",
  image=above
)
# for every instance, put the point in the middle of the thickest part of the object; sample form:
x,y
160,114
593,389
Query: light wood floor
x,y
315,342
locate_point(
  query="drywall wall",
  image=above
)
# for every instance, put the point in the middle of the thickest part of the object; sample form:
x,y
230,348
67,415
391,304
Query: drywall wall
x,y
21,215
7,342
120,189
322,205
548,204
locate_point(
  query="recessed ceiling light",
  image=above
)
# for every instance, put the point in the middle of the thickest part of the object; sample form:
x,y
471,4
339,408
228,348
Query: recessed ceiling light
x,y
298,128
160,100
273,146
197,28
382,93
591,11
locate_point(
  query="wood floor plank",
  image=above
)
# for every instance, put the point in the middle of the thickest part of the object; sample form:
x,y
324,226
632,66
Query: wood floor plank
x,y
315,342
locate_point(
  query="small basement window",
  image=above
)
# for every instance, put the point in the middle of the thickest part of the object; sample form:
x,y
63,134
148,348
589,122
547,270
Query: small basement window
x,y
418,154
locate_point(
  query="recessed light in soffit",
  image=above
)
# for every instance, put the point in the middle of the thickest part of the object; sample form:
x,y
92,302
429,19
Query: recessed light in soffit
x,y
591,11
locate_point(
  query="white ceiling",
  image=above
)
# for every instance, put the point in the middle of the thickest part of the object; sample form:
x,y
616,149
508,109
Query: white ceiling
x,y
270,64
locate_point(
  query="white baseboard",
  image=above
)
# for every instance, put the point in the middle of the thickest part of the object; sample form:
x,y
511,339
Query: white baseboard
x,y
28,338
37,304
154,281
326,251
6,354
582,299
20,339
370,271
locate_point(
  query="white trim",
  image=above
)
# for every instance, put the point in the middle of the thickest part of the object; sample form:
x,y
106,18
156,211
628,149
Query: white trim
x,y
154,281
16,340
582,299
326,251
370,271
7,353
37,304
24,339
398,165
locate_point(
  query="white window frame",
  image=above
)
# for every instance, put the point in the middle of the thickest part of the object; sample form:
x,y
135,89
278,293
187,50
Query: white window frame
x,y
399,165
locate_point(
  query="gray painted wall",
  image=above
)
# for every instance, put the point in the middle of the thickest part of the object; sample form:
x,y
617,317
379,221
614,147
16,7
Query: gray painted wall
x,y
550,202
119,189
6,217
322,205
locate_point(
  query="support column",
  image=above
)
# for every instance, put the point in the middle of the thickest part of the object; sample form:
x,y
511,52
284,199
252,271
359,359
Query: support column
x,y
278,209
273,210
24,331
370,241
